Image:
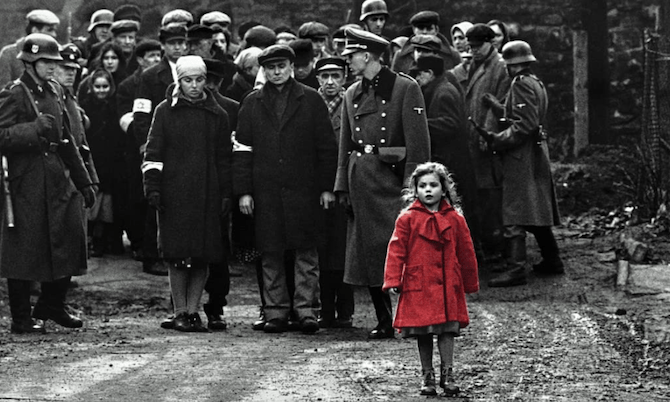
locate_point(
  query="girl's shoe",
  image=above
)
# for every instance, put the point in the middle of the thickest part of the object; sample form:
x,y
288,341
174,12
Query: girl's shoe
x,y
428,382
182,323
447,380
196,323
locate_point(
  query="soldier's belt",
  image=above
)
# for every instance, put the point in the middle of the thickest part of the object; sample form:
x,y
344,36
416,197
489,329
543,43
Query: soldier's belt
x,y
52,147
386,154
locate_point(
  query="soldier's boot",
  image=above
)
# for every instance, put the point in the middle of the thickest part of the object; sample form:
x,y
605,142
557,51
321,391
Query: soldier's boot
x,y
516,265
551,263
51,304
19,306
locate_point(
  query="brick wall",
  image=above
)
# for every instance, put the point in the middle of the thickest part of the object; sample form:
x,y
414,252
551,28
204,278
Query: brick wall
x,y
546,24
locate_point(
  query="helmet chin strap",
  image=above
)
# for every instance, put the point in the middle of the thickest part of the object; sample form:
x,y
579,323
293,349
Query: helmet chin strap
x,y
30,69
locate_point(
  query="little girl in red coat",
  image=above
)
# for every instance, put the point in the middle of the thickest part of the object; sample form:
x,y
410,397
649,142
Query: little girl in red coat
x,y
431,263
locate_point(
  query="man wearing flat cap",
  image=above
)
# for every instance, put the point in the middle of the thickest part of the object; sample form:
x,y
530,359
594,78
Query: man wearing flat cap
x,y
448,125
217,19
318,34
283,172
487,78
177,17
201,43
151,90
384,136
337,297
425,23
304,63
38,21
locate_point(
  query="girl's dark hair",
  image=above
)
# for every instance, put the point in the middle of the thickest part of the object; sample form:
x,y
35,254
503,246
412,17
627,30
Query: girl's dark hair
x,y
101,73
503,29
97,63
409,194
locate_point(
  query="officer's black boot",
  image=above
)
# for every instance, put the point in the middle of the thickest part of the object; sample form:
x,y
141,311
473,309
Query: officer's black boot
x,y
382,304
51,304
551,263
516,263
215,320
19,306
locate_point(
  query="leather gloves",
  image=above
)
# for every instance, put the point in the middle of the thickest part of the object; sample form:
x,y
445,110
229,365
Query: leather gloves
x,y
89,196
154,200
45,123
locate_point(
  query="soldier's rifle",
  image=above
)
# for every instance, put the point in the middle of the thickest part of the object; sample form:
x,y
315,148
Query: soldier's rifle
x,y
9,207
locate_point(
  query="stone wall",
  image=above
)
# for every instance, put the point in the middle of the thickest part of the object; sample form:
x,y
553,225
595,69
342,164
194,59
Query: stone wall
x,y
546,24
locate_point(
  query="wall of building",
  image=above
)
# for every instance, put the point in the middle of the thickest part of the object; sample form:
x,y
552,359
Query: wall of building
x,y
546,24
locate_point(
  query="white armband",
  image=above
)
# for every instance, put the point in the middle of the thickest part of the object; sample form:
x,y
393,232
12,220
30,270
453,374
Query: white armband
x,y
148,165
125,121
142,105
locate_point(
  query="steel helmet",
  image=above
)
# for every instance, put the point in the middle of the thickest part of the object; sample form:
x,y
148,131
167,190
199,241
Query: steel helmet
x,y
517,52
39,46
373,7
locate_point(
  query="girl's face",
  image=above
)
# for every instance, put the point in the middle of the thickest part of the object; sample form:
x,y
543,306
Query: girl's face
x,y
101,87
220,41
498,39
430,191
192,86
110,61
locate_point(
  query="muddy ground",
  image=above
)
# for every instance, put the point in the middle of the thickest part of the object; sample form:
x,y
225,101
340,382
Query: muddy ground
x,y
578,337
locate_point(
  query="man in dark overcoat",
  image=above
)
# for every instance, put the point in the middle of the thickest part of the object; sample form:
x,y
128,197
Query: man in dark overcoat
x,y
528,196
283,171
448,128
487,77
384,136
46,175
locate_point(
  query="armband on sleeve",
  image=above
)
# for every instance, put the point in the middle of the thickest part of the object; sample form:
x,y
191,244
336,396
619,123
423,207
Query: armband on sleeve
x,y
141,105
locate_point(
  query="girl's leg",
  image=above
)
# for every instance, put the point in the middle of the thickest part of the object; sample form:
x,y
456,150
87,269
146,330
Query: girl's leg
x,y
445,344
197,278
425,343
178,280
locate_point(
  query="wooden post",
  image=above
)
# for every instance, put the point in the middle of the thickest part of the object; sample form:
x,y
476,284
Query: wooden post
x,y
580,90
594,19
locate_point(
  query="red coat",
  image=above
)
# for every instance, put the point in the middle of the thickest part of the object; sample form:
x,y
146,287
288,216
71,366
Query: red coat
x,y
432,261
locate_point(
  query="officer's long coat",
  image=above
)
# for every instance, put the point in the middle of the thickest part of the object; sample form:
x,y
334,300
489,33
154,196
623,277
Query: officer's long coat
x,y
528,188
393,116
490,77
188,160
49,240
287,164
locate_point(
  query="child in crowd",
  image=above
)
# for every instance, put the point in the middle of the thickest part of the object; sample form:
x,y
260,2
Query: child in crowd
x,y
431,263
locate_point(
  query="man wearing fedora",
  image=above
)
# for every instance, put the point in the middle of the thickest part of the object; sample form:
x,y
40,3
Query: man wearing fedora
x,y
283,172
384,136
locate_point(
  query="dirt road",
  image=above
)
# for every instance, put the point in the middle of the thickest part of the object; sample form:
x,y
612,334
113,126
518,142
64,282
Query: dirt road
x,y
552,340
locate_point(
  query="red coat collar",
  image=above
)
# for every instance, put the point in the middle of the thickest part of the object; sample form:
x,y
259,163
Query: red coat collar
x,y
431,228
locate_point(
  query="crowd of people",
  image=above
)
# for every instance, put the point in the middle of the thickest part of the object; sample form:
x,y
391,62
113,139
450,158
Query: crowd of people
x,y
294,145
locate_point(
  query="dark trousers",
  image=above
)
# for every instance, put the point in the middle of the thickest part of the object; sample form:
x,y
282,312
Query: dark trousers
x,y
218,281
52,297
489,234
382,303
336,296
289,266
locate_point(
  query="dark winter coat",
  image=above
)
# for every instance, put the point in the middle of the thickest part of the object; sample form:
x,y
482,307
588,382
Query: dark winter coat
x,y
447,124
49,240
404,59
187,161
75,115
125,96
151,90
431,260
489,77
292,162
393,117
529,198
239,88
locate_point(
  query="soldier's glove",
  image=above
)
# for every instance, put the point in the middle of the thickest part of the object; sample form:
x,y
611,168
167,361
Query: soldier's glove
x,y
154,200
225,206
45,123
89,196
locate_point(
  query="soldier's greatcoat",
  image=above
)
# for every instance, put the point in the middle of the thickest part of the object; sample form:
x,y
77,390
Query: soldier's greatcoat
x,y
391,114
529,198
49,240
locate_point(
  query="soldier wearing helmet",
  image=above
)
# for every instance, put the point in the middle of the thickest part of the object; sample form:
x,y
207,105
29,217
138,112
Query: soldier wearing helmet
x,y
374,16
37,21
528,195
48,242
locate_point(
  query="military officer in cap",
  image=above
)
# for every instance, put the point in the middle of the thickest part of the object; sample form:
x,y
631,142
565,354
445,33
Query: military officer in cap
x,y
487,78
425,23
528,195
283,172
49,184
38,21
384,136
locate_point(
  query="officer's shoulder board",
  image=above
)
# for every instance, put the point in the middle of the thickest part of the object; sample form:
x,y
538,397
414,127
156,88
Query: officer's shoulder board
x,y
406,76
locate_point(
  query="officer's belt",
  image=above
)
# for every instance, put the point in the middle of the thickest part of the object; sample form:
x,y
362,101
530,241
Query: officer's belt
x,y
368,149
